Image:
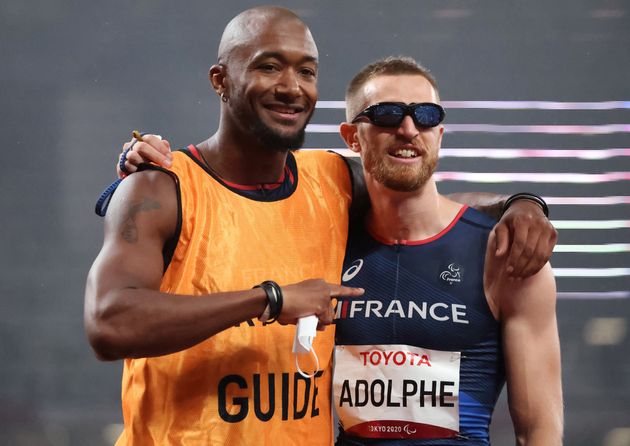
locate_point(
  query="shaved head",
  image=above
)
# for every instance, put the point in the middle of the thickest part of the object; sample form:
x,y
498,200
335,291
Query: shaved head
x,y
247,27
267,76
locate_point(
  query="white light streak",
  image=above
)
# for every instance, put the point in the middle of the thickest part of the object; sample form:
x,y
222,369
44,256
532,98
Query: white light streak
x,y
538,105
322,128
331,104
594,295
602,129
533,177
604,248
590,224
591,272
494,153
586,154
611,200
512,105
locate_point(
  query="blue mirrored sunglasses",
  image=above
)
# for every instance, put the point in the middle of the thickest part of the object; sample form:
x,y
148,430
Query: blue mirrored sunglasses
x,y
391,114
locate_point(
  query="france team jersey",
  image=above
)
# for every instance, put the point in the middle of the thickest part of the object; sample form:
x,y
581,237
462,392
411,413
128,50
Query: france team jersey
x,y
418,356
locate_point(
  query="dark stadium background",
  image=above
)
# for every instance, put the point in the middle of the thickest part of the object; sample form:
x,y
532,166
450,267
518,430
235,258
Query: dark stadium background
x,y
537,96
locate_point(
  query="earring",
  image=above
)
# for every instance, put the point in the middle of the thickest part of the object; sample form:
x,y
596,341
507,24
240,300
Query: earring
x,y
223,97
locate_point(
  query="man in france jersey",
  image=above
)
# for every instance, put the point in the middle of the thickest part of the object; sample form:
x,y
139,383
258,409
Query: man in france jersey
x,y
422,356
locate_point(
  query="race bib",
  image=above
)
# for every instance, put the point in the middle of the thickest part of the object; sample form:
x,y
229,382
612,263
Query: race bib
x,y
397,391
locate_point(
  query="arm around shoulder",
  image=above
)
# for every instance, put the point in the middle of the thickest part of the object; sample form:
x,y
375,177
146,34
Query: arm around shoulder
x,y
125,314
142,216
486,202
523,233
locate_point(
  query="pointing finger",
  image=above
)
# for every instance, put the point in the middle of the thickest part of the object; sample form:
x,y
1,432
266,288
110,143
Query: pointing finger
x,y
340,290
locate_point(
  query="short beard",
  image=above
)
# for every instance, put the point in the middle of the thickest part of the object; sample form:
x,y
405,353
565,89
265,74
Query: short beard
x,y
276,141
401,179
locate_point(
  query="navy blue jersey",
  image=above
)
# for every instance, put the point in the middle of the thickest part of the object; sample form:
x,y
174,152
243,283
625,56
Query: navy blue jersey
x,y
424,310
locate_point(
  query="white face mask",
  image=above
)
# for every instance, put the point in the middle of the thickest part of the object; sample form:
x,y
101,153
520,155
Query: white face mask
x,y
305,332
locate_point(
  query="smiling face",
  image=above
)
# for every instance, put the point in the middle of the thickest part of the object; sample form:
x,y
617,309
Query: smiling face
x,y
401,158
271,75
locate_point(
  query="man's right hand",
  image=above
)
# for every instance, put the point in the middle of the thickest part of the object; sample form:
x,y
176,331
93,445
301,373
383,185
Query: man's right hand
x,y
152,149
313,296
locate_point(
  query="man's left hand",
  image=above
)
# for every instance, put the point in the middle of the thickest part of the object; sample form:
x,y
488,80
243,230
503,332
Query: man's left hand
x,y
526,236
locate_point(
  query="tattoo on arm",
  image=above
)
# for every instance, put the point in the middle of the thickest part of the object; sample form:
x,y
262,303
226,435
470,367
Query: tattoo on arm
x,y
129,231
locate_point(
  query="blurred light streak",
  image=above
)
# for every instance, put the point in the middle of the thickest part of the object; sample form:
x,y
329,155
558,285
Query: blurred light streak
x,y
590,224
610,200
594,295
512,105
601,129
492,153
533,177
604,248
605,330
591,272
587,154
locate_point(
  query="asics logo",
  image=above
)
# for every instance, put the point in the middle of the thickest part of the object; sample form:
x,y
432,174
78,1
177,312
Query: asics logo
x,y
352,271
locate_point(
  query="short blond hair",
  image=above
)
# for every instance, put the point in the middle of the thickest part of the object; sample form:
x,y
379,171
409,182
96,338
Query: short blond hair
x,y
389,66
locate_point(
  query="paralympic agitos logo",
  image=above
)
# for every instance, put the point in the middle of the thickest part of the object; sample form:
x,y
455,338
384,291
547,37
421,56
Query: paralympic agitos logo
x,y
452,274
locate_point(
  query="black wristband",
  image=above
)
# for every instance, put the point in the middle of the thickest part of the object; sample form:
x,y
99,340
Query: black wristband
x,y
279,297
526,196
274,298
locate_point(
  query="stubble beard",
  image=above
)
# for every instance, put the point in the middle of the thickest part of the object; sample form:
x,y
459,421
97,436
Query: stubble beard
x,y
275,140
